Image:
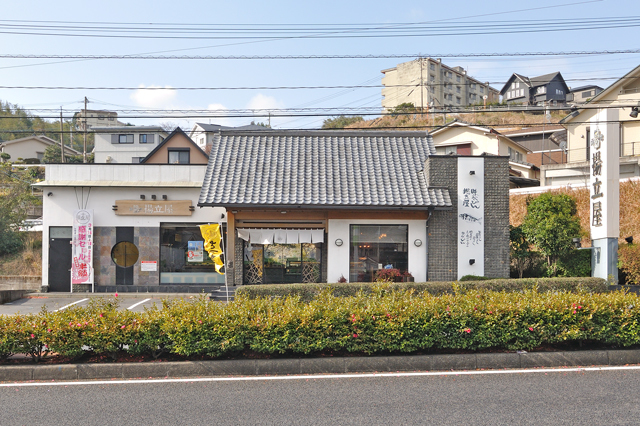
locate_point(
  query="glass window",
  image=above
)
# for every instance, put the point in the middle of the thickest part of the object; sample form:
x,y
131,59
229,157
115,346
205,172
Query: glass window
x,y
178,157
183,258
124,254
481,89
377,246
143,138
125,138
515,155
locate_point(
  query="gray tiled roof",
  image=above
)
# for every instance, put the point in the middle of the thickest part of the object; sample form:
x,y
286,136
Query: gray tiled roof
x,y
320,168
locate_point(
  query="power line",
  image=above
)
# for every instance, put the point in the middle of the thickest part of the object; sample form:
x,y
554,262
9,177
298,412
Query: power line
x,y
293,57
236,32
356,86
416,128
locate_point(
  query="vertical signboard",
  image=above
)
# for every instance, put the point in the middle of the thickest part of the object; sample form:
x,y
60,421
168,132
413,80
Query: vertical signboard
x,y
604,168
82,247
470,216
605,175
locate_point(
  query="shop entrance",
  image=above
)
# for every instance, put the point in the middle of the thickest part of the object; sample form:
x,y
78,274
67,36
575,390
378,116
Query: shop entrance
x,y
282,263
60,258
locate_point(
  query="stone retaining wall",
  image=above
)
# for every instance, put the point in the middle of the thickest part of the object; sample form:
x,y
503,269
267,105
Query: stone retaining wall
x,y
20,282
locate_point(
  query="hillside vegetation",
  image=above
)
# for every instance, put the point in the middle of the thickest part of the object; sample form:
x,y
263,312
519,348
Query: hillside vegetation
x,y
502,121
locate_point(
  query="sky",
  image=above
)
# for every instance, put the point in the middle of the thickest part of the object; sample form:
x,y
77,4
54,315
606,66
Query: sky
x,y
288,86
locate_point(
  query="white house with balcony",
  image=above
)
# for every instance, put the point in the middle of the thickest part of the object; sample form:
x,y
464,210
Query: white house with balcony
x,y
126,144
623,97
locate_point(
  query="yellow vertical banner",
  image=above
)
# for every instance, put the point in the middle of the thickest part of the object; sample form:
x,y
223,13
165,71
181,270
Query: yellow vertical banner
x,y
212,235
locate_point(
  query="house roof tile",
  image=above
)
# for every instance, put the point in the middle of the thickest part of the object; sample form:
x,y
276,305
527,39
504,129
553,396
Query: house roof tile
x,y
320,168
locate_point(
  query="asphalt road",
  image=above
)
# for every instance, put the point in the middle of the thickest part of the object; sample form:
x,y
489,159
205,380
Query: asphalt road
x,y
33,304
608,397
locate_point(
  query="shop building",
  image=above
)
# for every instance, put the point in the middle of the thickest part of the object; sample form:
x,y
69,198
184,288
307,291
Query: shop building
x,y
316,206
144,221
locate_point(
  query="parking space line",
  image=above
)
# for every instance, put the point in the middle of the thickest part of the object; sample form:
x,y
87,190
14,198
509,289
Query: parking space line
x,y
70,304
139,303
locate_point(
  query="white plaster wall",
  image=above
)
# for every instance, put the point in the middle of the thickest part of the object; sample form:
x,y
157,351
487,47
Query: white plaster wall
x,y
338,257
123,153
58,209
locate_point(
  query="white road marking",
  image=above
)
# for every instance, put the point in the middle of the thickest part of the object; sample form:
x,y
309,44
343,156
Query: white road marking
x,y
323,376
136,304
70,304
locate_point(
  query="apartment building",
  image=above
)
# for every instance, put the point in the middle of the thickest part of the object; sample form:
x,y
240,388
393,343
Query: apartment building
x,y
427,82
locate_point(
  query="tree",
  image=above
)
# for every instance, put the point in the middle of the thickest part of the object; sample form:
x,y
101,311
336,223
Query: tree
x,y
520,249
551,224
15,199
259,123
341,121
404,108
52,154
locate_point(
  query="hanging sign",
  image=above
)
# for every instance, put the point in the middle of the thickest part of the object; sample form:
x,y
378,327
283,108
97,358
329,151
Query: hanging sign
x,y
82,247
212,235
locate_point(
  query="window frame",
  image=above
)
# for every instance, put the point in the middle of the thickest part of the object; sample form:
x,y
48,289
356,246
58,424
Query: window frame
x,y
126,137
178,151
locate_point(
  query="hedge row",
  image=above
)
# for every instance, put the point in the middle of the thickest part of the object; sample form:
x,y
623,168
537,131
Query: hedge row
x,y
309,291
384,321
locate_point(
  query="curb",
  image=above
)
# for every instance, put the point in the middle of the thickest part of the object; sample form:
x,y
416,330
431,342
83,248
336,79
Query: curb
x,y
288,366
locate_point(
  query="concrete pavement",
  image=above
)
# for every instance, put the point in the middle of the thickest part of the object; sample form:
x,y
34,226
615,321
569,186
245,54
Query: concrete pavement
x,y
328,365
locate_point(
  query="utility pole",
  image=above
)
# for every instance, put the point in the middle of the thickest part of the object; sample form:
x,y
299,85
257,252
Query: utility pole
x,y
421,88
84,145
61,137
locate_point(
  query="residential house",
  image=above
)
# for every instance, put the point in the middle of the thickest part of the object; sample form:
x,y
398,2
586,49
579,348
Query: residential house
x,y
459,138
583,94
177,148
427,82
96,118
622,97
546,144
548,89
126,144
31,148
316,206
202,134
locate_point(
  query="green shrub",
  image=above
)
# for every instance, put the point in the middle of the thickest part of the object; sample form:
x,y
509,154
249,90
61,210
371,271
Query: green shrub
x,y
576,263
473,278
383,319
309,291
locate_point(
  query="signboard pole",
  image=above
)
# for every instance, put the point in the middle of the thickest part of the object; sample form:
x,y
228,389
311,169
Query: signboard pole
x,y
226,285
604,166
82,248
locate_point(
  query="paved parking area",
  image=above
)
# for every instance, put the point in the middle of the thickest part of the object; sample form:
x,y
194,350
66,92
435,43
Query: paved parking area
x,y
33,303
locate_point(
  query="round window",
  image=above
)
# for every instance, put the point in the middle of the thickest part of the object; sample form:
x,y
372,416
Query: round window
x,y
124,254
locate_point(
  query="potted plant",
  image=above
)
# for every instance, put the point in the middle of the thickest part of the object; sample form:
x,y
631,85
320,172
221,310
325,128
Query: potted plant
x,y
407,277
388,275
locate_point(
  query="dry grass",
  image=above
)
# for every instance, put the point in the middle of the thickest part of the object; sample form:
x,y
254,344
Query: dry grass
x,y
502,121
26,262
629,210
